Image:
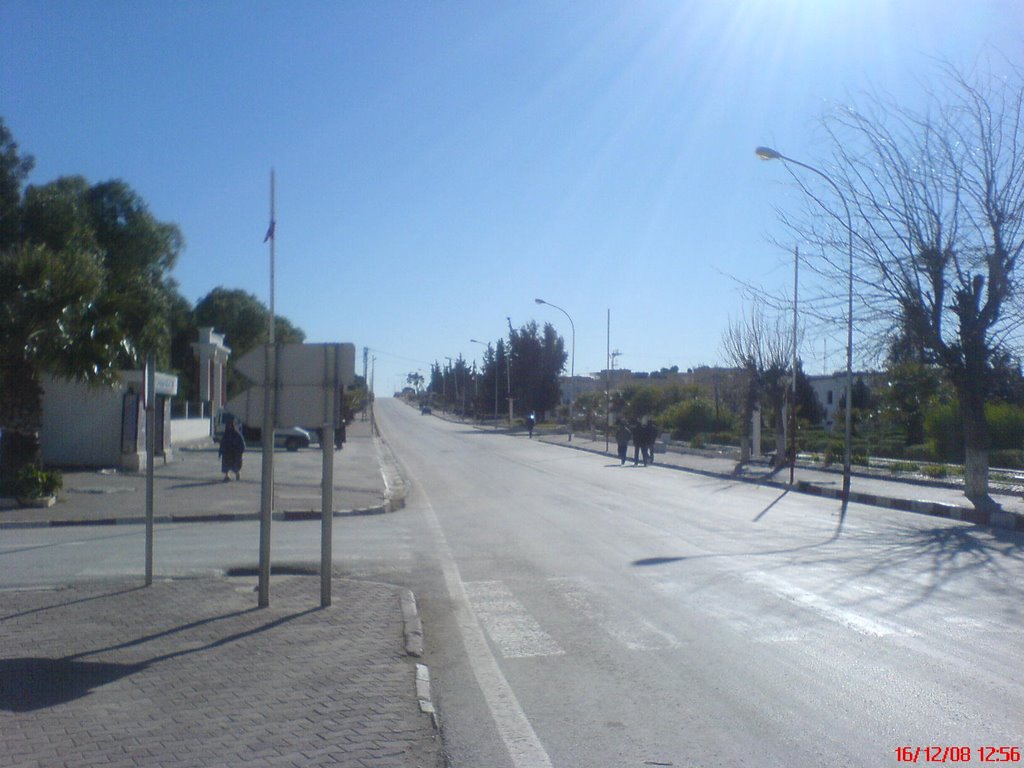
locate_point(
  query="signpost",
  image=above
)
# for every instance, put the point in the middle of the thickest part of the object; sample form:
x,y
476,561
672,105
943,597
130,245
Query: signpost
x,y
308,391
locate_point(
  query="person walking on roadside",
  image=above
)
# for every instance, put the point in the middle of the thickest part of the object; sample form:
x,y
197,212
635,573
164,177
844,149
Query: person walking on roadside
x,y
650,438
622,438
232,446
638,442
531,422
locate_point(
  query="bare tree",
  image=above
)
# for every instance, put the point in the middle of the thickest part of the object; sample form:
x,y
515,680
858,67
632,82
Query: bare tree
x,y
763,350
937,200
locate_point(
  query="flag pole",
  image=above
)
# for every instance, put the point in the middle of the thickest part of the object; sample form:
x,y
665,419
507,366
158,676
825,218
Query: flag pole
x,y
269,380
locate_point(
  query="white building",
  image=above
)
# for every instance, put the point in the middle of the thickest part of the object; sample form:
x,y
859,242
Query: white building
x,y
104,425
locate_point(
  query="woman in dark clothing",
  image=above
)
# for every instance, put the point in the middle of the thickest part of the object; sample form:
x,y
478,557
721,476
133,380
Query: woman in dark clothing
x,y
622,437
232,446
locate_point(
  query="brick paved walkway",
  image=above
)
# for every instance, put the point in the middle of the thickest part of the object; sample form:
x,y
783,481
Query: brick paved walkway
x,y
190,673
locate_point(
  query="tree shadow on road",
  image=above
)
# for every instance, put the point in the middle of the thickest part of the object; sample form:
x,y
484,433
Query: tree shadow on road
x,y
948,553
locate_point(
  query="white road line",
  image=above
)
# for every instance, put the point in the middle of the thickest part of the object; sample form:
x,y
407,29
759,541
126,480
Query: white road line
x,y
821,605
635,634
510,627
518,735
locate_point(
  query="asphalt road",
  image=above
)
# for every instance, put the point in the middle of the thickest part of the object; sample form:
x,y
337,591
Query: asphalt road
x,y
579,613
582,613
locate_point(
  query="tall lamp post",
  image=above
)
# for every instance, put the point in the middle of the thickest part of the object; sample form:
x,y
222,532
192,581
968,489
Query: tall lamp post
x,y
474,341
572,365
767,153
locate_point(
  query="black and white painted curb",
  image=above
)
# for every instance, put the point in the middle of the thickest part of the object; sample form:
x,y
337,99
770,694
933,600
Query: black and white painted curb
x,y
413,629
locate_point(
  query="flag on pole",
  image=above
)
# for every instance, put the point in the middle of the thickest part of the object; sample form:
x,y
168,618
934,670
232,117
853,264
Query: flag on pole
x,y
270,231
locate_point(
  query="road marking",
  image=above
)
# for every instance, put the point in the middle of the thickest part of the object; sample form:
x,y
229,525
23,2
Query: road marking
x,y
635,634
808,599
524,748
516,634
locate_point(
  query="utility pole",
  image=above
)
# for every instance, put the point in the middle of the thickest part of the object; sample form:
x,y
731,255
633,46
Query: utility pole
x,y
366,381
508,371
608,385
792,404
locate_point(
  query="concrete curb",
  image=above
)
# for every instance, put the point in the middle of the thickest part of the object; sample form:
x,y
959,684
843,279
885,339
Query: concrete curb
x,y
395,489
413,630
413,627
423,694
281,516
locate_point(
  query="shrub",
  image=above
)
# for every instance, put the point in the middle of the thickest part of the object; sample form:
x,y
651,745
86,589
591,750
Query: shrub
x,y
1006,425
917,453
1006,459
690,417
35,483
944,433
897,467
813,439
935,470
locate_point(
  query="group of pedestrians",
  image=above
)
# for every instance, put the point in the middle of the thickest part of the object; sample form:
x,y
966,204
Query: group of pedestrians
x,y
643,433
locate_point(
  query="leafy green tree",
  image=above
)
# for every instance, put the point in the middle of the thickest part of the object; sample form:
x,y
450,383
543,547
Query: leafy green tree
x,y
415,380
538,359
909,389
48,322
639,400
807,406
244,320
14,170
83,289
492,379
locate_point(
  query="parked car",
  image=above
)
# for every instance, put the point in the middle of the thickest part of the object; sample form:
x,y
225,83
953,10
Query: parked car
x,y
425,410
292,438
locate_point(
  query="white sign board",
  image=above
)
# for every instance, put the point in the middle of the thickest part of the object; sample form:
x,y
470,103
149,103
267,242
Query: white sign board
x,y
296,406
309,375
303,364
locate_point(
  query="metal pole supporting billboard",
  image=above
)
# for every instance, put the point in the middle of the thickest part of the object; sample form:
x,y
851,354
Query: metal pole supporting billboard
x,y
267,476
150,404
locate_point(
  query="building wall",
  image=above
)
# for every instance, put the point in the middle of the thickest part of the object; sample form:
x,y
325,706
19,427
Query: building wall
x,y
81,424
184,431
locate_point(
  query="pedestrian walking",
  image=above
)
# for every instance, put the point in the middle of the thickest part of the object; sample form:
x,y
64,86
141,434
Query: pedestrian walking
x,y
638,441
650,438
531,422
622,438
232,446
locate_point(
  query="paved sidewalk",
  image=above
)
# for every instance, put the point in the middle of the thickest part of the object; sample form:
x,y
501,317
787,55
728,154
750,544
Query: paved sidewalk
x,y
191,673
188,674
923,497
191,487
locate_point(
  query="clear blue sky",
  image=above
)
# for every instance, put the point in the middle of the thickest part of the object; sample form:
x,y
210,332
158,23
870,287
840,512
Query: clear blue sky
x,y
441,164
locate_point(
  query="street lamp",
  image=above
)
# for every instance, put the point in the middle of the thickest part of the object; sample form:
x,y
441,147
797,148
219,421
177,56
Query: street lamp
x,y
572,366
474,341
767,153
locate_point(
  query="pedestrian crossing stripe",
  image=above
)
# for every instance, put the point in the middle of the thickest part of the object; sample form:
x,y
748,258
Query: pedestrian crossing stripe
x,y
510,627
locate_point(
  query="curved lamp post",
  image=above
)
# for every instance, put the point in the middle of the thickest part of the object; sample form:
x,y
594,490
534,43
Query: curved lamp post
x,y
767,153
475,341
572,366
